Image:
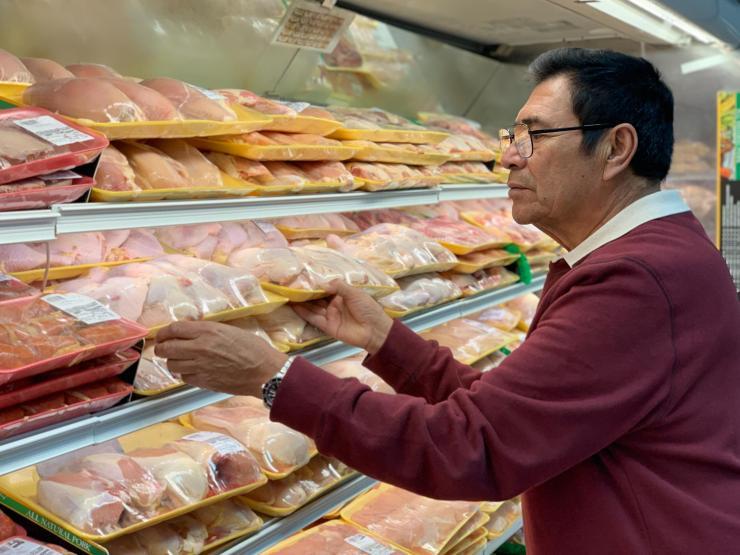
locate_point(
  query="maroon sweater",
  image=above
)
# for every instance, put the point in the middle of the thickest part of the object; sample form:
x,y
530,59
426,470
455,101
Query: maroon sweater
x,y
619,417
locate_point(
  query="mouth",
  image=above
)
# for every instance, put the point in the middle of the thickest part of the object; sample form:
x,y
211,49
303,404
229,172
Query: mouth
x,y
516,186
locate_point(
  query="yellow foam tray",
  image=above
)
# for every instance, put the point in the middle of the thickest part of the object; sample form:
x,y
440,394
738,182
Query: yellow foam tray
x,y
467,249
467,267
305,295
277,153
471,527
458,178
234,535
508,279
289,347
302,124
387,155
67,272
402,313
21,485
292,233
390,136
474,156
438,267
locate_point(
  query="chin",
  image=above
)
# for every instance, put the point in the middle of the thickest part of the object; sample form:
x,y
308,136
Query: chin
x,y
521,214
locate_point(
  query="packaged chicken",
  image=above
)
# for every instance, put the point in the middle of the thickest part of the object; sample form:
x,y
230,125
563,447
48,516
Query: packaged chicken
x,y
373,124
413,522
335,537
501,225
501,317
283,497
370,218
457,236
465,148
12,289
13,71
482,260
192,102
8,528
469,340
502,518
93,71
460,126
175,287
36,142
288,330
19,545
152,376
315,226
397,250
327,176
395,153
352,367
390,177
419,292
483,280
55,331
472,531
467,172
278,449
526,305
301,273
226,521
539,258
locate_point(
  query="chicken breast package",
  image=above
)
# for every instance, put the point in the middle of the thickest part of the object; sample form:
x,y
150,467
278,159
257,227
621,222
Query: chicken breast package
x,y
315,226
278,449
469,340
36,142
335,537
285,327
227,518
395,249
13,70
483,280
420,291
459,237
501,317
482,260
352,367
526,305
421,525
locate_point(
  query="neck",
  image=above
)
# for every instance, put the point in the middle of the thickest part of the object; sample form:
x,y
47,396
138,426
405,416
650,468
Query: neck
x,y
623,195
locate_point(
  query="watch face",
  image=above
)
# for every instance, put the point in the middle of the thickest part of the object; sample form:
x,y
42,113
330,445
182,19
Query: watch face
x,y
269,391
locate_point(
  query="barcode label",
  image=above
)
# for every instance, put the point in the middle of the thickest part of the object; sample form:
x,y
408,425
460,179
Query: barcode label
x,y
295,106
222,443
368,545
213,95
20,546
53,131
84,309
60,175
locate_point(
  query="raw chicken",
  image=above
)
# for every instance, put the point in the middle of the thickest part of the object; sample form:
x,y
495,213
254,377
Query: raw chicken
x,y
316,226
231,236
369,172
454,232
263,234
283,173
136,485
275,265
416,523
12,288
299,139
369,218
128,545
93,71
83,500
7,527
12,70
225,518
19,257
329,172
287,493
92,99
285,327
482,280
276,447
114,173
254,138
420,291
500,317
193,533
125,296
77,248
352,367
240,168
152,373
158,540
198,240
335,537
167,302
189,101
202,172
153,168
184,479
395,249
139,243
316,112
154,106
250,325
256,102
527,306
46,70
226,462
469,340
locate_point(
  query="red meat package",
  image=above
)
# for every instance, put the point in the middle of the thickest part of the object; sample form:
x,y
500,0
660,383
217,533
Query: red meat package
x,y
35,142
43,191
57,331
12,289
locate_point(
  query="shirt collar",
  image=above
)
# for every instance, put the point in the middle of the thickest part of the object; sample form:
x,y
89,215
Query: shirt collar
x,y
650,207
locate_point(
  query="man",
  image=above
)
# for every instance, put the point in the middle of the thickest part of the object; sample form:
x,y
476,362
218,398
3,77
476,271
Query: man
x,y
618,419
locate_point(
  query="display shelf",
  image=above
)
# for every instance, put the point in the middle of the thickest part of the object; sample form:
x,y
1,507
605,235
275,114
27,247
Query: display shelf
x,y
276,530
495,543
35,447
27,226
44,225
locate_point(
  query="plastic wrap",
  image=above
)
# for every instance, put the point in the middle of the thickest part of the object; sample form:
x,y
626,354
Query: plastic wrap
x,y
482,260
153,376
501,518
228,519
42,192
502,226
370,218
352,367
315,226
278,449
13,70
36,142
540,258
460,126
192,102
416,523
501,317
373,124
12,289
486,364
286,328
527,306
459,237
469,340
468,534
274,146
418,292
37,337
465,148
24,546
395,153
283,497
483,280
467,172
397,250
175,287
335,537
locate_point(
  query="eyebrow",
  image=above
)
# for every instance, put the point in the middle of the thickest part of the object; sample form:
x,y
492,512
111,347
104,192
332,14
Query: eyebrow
x,y
530,120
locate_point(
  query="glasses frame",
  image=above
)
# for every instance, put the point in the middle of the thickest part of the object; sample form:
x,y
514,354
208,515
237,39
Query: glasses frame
x,y
530,133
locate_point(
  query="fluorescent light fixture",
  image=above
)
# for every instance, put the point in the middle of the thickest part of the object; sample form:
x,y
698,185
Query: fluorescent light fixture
x,y
704,63
676,20
639,19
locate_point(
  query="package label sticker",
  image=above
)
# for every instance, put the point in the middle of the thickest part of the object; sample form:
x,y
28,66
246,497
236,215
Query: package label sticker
x,y
53,131
60,175
295,106
85,309
222,443
20,546
368,545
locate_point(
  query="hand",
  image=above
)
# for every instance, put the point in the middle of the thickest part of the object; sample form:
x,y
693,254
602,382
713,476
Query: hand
x,y
219,357
351,316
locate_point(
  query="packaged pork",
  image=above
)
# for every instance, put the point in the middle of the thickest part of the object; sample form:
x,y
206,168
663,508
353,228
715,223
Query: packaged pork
x,y
397,250
278,449
56,331
336,537
20,545
469,340
418,524
418,292
8,528
36,142
12,289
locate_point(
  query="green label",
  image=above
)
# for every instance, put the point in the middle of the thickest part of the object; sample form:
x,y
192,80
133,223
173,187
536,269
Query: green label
x,y
6,105
522,264
52,527
504,350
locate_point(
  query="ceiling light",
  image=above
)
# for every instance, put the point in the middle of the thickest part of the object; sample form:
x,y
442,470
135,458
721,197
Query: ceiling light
x,y
625,11
676,20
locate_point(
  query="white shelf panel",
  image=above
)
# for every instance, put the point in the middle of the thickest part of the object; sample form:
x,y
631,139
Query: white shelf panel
x,y
495,543
473,191
27,226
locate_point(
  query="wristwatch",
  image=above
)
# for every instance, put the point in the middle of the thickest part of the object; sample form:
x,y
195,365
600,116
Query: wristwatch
x,y
270,387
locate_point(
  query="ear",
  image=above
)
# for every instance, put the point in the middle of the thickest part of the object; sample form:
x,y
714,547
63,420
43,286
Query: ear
x,y
621,147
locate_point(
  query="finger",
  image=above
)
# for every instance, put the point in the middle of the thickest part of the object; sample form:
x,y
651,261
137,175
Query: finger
x,y
182,330
313,315
184,368
177,349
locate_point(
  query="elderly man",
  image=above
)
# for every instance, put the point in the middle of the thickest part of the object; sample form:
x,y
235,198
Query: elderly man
x,y
619,417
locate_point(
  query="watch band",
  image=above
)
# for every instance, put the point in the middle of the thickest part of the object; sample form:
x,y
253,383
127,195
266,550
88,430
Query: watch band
x,y
270,387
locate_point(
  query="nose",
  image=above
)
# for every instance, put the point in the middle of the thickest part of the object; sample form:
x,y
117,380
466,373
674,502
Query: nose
x,y
511,158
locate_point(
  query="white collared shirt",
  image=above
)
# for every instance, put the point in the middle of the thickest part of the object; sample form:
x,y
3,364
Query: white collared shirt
x,y
650,207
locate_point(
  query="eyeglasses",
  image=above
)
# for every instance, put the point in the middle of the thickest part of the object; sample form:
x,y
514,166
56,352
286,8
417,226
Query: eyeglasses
x,y
521,135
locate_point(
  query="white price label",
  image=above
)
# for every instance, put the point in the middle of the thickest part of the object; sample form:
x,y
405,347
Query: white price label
x,y
295,106
21,546
213,95
85,309
368,545
222,443
53,131
56,176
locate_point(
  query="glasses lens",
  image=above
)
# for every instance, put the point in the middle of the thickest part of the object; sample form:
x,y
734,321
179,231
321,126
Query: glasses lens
x,y
504,137
523,140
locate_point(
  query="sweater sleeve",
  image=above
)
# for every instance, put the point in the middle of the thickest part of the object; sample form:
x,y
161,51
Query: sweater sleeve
x,y
598,364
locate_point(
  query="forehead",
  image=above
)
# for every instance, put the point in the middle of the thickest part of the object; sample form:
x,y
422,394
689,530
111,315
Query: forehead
x,y
549,104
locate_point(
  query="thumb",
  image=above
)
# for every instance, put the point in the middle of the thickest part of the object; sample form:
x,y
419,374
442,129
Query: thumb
x,y
341,288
